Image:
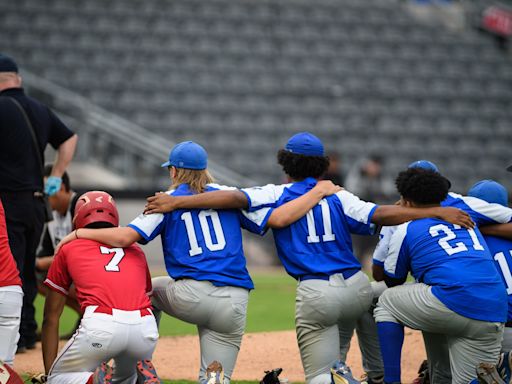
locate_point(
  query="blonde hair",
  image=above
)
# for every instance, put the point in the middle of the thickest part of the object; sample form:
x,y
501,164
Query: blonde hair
x,y
196,179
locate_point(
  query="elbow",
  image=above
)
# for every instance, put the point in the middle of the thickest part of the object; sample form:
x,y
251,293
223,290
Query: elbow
x,y
241,200
278,222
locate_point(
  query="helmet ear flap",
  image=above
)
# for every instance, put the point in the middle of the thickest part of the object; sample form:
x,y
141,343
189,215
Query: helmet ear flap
x,y
94,207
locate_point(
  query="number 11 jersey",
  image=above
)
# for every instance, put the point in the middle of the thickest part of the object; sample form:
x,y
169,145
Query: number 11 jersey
x,y
104,276
318,243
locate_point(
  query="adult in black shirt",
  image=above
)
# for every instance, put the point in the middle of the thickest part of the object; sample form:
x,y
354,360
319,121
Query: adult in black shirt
x,y
21,181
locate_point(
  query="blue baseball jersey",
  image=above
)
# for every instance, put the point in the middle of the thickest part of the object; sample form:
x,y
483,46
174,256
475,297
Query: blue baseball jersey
x,y
318,243
202,244
480,211
455,261
501,251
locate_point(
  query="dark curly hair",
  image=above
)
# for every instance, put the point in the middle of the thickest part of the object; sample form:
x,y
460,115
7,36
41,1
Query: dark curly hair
x,y
298,167
422,187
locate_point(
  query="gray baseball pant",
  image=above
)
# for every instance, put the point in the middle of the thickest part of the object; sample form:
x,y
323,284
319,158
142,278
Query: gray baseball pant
x,y
366,330
219,313
469,341
321,308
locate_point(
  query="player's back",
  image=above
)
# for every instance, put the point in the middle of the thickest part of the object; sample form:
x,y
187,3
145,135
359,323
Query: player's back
x,y
103,276
455,261
320,242
501,251
206,244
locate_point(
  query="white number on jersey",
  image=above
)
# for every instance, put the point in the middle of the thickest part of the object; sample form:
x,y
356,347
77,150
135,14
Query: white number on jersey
x,y
505,270
326,221
459,246
113,265
195,249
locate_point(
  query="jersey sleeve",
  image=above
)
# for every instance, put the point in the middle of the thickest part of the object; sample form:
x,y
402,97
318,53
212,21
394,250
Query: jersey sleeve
x,y
148,226
396,264
58,278
358,213
487,213
256,221
263,197
381,250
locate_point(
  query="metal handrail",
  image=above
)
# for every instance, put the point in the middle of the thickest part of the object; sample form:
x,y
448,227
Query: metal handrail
x,y
139,140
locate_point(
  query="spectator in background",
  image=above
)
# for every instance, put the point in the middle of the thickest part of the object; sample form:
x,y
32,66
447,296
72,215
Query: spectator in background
x,y
367,181
63,209
334,172
24,122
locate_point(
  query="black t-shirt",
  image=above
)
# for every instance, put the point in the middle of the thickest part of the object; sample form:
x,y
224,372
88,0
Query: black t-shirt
x,y
20,169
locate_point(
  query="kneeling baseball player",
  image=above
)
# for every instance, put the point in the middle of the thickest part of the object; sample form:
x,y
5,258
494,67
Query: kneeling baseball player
x,y
112,286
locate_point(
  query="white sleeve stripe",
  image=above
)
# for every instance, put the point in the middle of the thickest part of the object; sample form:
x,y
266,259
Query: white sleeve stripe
x,y
57,287
355,208
147,223
258,216
222,187
394,248
496,212
264,196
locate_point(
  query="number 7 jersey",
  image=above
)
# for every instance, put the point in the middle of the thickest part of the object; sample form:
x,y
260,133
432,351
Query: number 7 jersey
x,y
104,276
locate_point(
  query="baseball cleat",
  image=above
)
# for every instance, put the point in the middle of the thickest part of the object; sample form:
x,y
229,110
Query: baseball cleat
x,y
146,373
374,380
214,373
504,367
272,377
102,374
341,374
487,374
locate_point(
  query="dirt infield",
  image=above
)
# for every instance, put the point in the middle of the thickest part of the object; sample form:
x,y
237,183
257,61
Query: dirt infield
x,y
178,357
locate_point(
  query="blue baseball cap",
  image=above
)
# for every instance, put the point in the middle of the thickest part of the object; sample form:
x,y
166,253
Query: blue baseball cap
x,y
424,164
187,155
7,64
305,143
490,191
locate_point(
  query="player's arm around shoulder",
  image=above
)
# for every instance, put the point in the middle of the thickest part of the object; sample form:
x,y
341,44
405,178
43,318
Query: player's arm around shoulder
x,y
219,199
292,211
121,237
498,230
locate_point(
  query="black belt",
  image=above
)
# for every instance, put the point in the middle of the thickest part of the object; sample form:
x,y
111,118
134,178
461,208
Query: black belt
x,y
348,273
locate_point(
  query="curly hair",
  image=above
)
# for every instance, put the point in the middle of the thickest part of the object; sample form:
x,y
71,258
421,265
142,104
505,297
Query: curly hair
x,y
422,186
298,167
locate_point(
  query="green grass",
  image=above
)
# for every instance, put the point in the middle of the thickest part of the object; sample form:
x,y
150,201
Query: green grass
x,y
271,308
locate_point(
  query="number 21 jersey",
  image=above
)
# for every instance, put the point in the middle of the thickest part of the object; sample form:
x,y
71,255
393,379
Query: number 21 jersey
x,y
455,261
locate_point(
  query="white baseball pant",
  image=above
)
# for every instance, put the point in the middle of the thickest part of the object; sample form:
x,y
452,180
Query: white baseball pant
x,y
11,301
219,313
125,336
323,307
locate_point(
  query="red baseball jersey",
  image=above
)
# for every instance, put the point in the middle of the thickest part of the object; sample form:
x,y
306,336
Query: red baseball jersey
x,y
103,275
9,274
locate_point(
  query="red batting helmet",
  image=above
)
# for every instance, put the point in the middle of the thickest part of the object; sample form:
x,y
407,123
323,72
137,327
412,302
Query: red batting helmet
x,y
94,207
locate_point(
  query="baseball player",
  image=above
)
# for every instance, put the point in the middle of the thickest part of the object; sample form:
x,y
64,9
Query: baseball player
x,y
112,285
11,297
208,283
501,249
483,214
63,209
316,250
442,303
